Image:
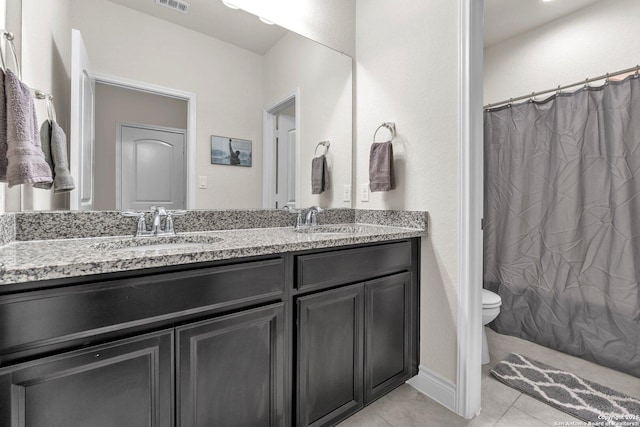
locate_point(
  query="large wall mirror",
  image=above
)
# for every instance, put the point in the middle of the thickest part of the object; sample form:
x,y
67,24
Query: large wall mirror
x,y
209,109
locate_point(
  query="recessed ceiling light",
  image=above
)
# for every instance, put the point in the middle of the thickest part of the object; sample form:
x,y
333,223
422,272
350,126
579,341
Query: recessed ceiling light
x,y
229,5
266,21
546,1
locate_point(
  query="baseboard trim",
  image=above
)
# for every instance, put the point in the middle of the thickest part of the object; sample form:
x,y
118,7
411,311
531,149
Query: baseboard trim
x,y
435,387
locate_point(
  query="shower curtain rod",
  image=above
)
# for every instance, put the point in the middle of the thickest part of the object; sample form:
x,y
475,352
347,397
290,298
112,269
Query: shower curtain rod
x,y
560,88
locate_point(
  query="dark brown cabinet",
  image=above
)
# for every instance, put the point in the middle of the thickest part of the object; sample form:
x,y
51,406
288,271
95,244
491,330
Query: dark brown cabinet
x,y
296,339
330,339
230,370
354,344
124,383
388,332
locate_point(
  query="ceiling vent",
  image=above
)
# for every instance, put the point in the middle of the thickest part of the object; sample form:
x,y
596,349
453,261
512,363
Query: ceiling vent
x,y
178,5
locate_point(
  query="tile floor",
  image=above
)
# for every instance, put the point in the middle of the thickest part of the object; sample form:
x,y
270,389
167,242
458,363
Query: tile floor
x,y
502,406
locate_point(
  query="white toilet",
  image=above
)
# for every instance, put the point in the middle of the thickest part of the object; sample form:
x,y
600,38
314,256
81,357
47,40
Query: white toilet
x,y
491,303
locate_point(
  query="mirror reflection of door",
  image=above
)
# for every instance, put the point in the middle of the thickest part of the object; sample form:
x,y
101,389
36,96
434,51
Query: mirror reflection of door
x,y
286,158
82,125
280,170
150,167
154,174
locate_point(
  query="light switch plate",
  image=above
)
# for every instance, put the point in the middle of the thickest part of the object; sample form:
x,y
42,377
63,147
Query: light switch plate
x,y
346,193
202,182
364,192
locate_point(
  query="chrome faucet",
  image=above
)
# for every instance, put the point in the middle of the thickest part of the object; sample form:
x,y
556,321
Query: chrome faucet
x,y
310,219
306,217
158,213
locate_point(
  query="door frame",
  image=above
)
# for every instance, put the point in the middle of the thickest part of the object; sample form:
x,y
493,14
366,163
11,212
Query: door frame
x,y
470,199
190,146
119,126
268,148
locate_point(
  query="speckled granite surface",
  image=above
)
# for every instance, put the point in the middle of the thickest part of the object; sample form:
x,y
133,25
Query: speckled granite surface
x,y
51,259
410,219
78,224
7,228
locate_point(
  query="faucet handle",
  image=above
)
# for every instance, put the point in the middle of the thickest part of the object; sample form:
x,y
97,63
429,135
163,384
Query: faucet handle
x,y
142,224
290,209
132,213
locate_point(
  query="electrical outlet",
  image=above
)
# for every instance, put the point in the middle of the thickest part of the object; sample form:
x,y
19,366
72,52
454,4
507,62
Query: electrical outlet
x,y
346,193
364,192
202,182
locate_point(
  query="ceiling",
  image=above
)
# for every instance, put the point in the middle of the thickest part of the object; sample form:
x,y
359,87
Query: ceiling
x,y
214,19
504,19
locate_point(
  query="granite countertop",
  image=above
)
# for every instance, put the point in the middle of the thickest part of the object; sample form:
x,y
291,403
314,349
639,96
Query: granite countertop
x,y
25,261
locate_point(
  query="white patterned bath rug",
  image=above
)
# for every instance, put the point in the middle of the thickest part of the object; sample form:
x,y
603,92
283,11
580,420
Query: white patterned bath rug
x,y
589,401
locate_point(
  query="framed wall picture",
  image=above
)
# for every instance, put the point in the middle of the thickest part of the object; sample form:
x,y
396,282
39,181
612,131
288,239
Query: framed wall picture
x,y
230,151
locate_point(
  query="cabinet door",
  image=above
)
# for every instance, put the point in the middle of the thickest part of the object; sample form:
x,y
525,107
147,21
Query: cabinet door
x,y
388,334
125,383
231,370
330,339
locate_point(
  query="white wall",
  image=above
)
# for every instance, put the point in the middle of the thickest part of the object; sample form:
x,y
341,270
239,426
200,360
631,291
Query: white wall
x,y
600,38
324,79
407,64
330,22
46,65
227,80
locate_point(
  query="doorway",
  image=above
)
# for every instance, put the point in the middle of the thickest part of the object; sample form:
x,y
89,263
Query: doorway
x,y
281,168
117,106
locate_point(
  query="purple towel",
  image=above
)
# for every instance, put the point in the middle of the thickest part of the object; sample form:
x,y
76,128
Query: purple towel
x,y
381,167
319,175
3,130
54,145
25,159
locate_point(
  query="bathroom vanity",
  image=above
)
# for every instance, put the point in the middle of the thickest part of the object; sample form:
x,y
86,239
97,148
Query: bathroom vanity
x,y
305,336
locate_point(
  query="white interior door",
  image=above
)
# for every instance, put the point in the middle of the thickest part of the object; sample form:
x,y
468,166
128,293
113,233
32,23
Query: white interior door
x,y
292,181
150,167
285,161
82,136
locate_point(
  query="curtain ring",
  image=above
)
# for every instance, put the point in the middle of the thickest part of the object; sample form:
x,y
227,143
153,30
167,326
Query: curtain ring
x,y
533,95
637,70
606,80
586,83
558,91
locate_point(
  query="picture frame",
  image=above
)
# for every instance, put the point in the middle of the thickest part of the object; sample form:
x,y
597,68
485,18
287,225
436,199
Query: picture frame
x,y
231,151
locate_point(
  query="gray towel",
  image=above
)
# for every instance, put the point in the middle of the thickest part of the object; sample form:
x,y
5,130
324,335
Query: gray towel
x,y
319,175
381,167
25,159
54,146
3,130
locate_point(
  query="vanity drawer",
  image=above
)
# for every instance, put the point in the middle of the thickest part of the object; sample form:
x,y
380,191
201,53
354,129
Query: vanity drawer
x,y
325,269
42,320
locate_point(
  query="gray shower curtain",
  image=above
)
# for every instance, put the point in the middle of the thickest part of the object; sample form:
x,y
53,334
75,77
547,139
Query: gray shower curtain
x,y
562,222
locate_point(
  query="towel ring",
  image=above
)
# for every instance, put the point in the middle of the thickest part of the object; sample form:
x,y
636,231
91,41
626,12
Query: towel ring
x,y
8,35
325,144
51,109
389,125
